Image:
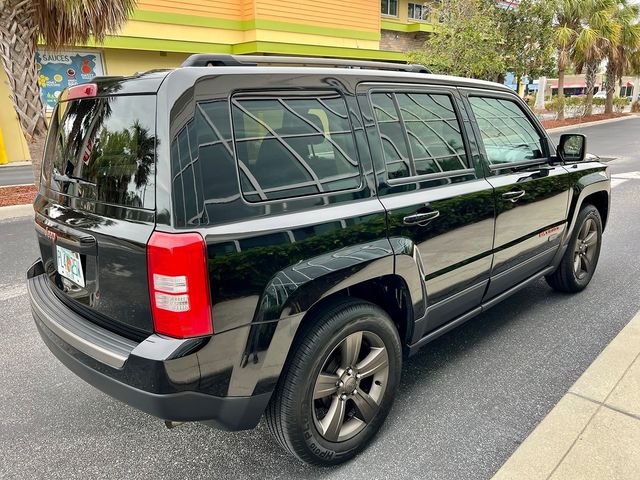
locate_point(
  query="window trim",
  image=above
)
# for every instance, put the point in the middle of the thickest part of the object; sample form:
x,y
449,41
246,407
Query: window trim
x,y
512,97
427,89
416,4
391,15
311,93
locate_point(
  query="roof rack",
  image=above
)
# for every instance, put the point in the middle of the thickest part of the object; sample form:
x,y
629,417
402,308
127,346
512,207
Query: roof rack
x,y
220,60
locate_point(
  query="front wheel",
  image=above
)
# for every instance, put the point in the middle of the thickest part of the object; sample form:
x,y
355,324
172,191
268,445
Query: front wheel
x,y
339,384
581,258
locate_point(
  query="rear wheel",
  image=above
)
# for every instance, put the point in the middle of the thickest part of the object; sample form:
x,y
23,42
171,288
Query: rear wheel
x,y
581,258
339,384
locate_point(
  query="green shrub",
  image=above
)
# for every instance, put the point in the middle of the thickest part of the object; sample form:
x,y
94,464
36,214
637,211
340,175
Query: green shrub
x,y
619,104
598,105
531,101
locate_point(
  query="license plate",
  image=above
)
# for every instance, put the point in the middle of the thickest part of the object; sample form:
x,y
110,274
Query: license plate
x,y
69,265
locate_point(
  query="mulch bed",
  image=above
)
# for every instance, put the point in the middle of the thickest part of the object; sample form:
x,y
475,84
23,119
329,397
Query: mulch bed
x,y
576,121
17,195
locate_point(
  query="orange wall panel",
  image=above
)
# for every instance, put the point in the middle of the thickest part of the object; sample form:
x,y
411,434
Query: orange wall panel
x,y
362,15
248,8
226,9
350,14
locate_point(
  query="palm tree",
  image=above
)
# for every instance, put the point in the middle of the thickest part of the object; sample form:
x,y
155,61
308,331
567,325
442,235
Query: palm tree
x,y
567,27
598,33
634,69
58,23
620,55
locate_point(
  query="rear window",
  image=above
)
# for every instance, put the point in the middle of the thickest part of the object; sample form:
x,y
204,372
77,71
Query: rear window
x,y
103,149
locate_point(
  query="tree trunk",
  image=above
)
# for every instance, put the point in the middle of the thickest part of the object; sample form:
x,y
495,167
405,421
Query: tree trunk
x,y
560,114
610,86
18,36
590,81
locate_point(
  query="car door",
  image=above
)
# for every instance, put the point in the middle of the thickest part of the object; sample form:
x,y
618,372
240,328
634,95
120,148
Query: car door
x,y
531,190
434,195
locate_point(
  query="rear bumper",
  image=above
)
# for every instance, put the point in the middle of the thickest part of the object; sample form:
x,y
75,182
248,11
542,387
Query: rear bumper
x,y
159,376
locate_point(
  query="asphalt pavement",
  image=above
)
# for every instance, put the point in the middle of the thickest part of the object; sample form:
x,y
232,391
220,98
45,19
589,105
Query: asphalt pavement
x,y
16,175
464,405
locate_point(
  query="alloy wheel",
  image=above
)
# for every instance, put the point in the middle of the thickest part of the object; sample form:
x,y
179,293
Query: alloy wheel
x,y
586,246
350,387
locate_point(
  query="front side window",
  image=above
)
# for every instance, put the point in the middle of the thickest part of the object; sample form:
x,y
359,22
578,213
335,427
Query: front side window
x,y
289,146
420,134
390,7
507,133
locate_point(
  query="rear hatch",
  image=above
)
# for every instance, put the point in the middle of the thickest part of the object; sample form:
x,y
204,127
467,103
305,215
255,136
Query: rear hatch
x,y
96,207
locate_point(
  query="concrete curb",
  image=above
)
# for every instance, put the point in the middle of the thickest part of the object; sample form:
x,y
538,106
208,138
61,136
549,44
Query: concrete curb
x,y
594,430
17,185
590,124
15,164
15,211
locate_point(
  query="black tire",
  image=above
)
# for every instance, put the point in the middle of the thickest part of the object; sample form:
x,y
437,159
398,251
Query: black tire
x,y
580,260
292,415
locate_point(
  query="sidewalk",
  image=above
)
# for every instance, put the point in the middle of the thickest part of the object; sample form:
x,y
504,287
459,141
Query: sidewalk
x,y
594,430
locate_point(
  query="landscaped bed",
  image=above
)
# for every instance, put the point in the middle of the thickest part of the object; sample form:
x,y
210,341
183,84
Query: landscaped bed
x,y
578,120
17,195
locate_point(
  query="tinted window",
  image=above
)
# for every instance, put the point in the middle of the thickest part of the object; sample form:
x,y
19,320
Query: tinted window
x,y
420,134
507,133
433,131
294,146
104,149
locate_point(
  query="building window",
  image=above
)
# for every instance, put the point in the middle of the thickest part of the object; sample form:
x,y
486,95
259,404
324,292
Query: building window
x,y
389,7
418,11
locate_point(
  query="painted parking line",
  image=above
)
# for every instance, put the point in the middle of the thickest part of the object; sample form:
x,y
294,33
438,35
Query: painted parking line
x,y
627,175
620,178
617,181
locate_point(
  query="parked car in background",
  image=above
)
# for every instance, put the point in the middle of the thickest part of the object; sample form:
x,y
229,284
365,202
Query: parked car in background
x,y
227,240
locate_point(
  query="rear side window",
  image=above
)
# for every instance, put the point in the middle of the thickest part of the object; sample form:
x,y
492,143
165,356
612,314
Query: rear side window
x,y
290,146
420,133
103,149
507,133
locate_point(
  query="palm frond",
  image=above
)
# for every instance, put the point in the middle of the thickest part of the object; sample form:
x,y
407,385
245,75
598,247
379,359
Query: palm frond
x,y
69,22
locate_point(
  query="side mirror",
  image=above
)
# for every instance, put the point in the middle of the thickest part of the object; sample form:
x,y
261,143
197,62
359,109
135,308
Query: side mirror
x,y
572,147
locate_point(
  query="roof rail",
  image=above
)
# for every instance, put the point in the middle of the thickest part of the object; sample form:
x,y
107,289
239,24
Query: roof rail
x,y
221,60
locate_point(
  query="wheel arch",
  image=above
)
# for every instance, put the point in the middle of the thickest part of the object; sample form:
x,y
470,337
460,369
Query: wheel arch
x,y
389,292
600,200
593,188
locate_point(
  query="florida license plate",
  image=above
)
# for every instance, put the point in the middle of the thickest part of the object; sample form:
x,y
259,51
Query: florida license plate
x,y
69,265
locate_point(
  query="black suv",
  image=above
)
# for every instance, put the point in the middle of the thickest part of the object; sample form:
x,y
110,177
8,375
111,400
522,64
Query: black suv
x,y
227,239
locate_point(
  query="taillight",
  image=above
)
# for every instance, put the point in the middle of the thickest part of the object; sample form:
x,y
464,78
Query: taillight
x,y
179,284
84,90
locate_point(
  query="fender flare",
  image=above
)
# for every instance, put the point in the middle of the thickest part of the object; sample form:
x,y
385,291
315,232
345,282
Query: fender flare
x,y
585,186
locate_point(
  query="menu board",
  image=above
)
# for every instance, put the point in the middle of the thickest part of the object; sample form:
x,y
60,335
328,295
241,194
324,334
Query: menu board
x,y
62,69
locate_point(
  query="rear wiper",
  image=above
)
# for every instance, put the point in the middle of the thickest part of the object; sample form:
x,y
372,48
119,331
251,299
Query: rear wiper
x,y
71,179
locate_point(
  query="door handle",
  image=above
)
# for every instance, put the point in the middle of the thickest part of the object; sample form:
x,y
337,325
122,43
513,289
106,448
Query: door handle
x,y
421,218
513,196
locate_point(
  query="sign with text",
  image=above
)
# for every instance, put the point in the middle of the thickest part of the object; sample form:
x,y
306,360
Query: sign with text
x,y
59,70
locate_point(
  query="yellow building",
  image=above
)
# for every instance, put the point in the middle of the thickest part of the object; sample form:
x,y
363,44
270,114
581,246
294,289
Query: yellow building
x,y
162,33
